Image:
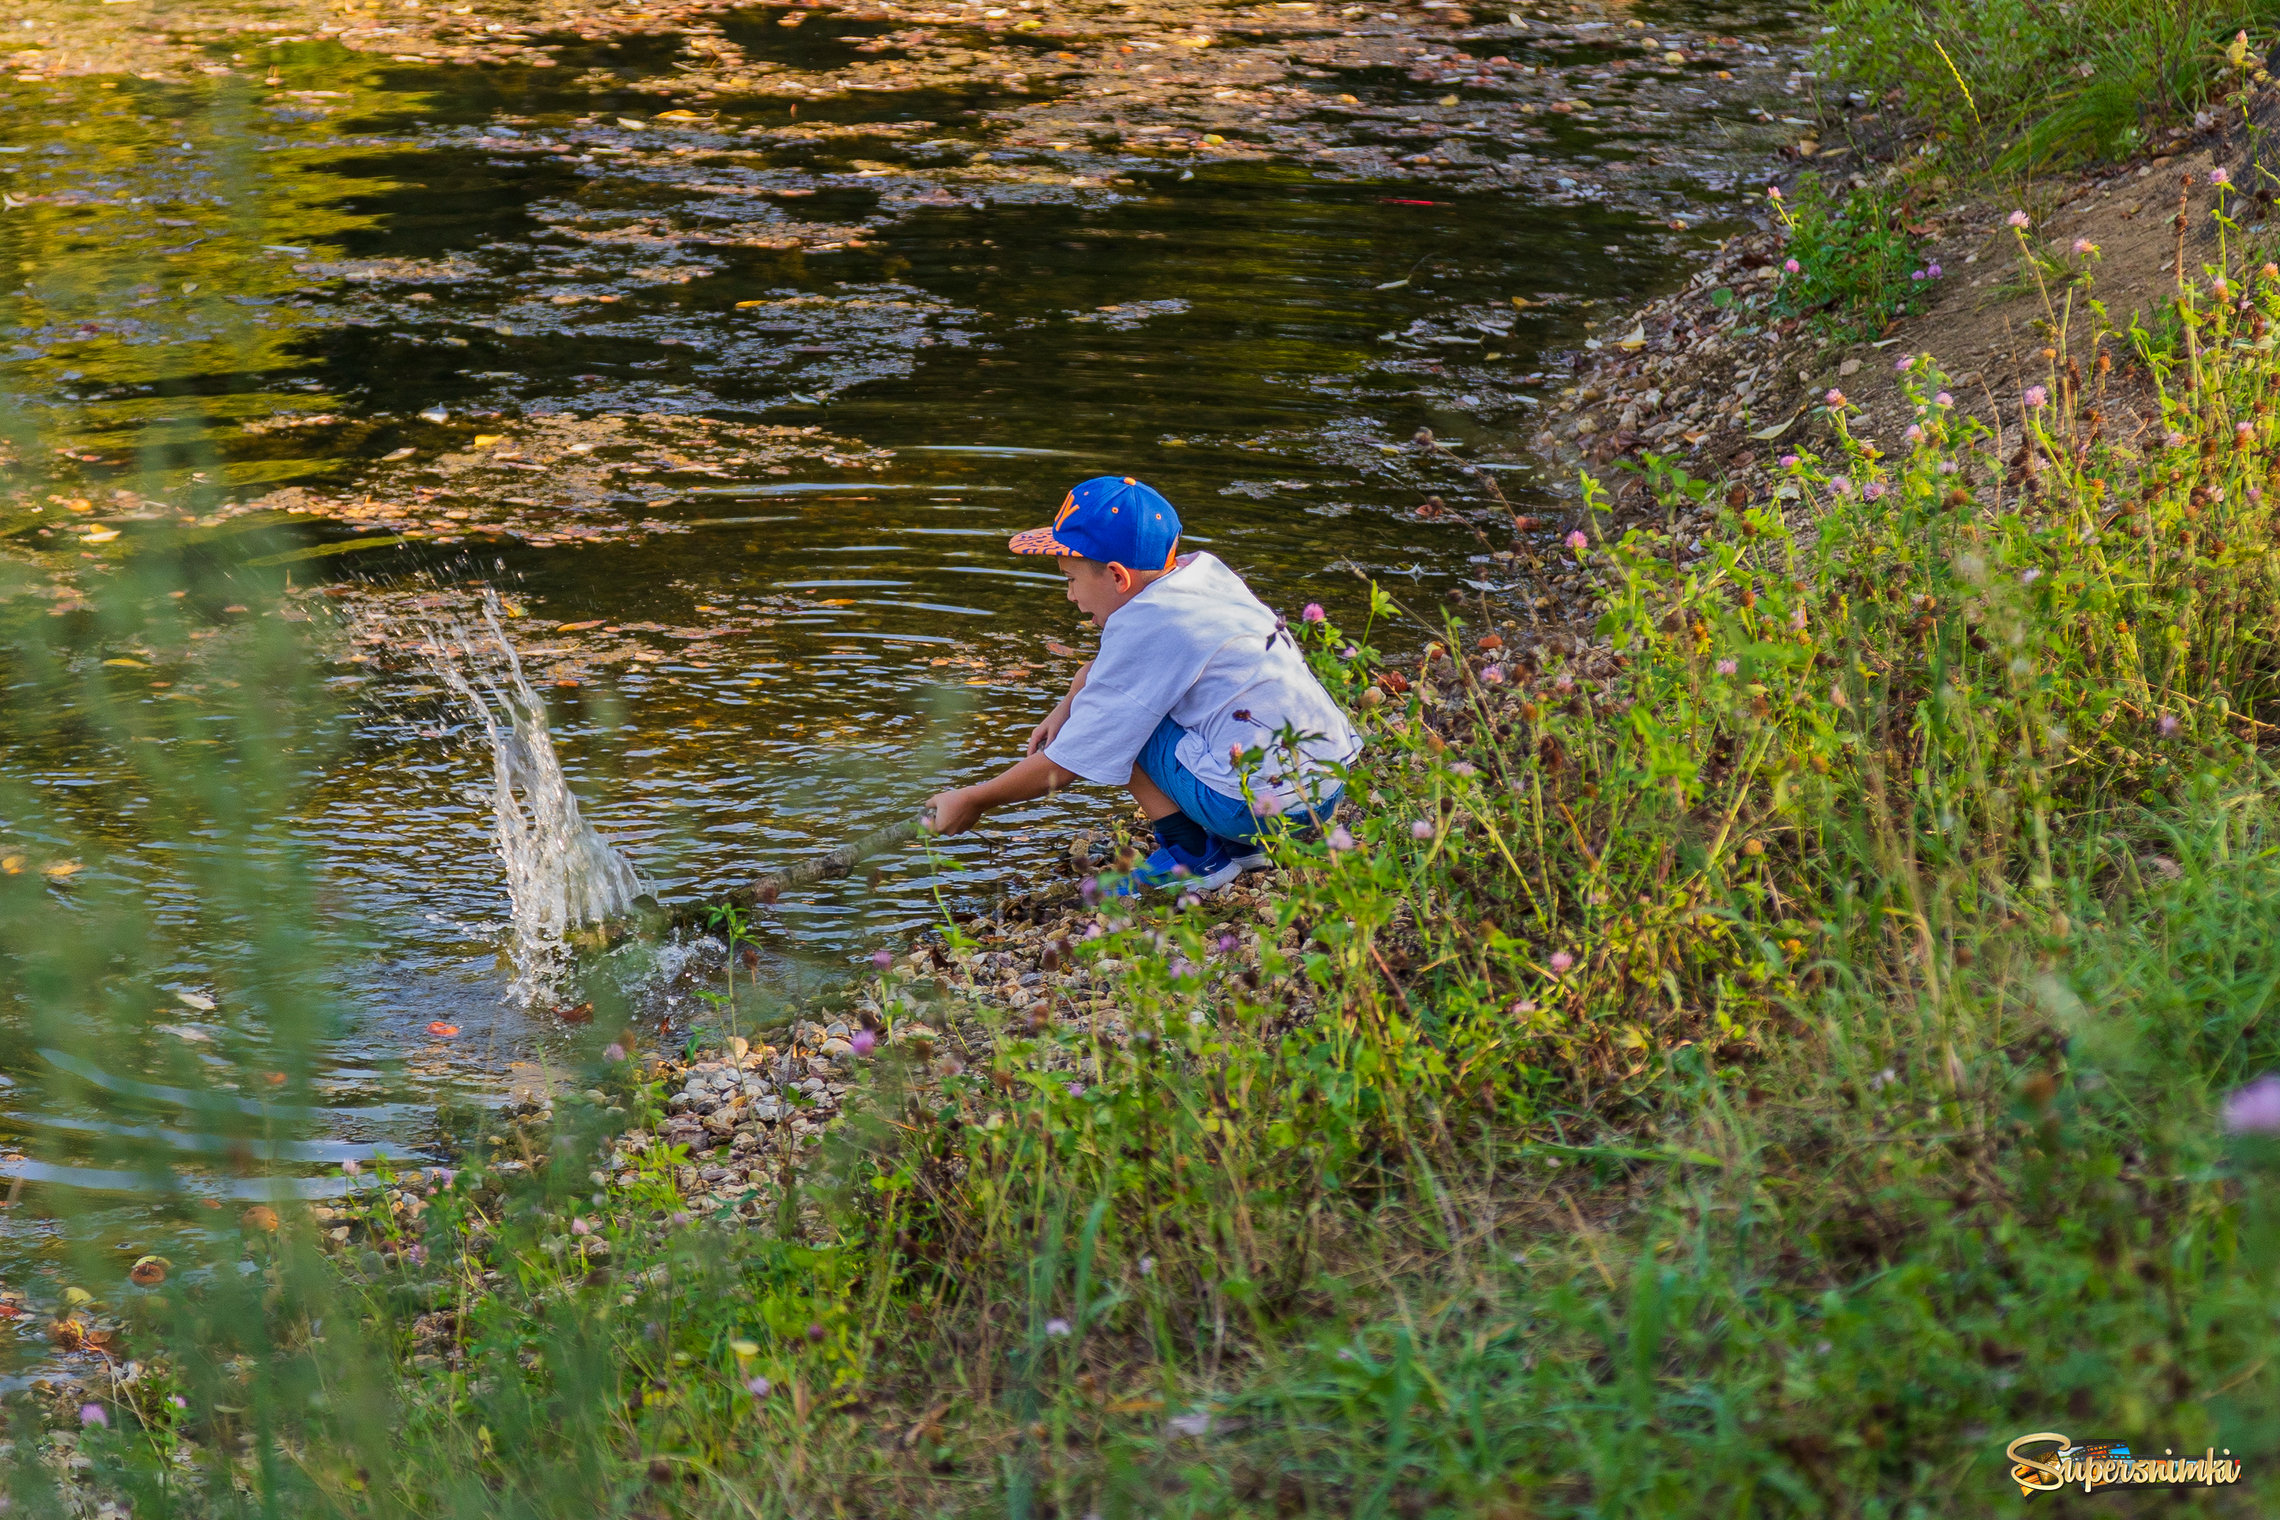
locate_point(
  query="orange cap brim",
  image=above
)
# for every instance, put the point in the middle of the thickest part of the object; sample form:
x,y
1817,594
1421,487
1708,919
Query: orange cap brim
x,y
1038,541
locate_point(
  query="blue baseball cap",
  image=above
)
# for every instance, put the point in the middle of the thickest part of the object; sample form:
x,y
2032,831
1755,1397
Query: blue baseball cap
x,y
1109,518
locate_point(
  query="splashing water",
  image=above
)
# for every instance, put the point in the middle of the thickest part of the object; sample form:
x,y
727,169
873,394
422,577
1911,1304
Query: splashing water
x,y
560,873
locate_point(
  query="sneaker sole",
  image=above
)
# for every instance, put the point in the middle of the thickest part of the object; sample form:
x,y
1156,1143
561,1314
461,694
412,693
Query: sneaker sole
x,y
1248,863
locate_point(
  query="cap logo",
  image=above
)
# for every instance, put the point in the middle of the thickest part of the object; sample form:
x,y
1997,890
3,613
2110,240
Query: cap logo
x,y
1068,505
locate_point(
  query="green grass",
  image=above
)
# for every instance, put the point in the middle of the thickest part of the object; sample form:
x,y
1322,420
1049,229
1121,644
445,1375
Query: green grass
x,y
2020,85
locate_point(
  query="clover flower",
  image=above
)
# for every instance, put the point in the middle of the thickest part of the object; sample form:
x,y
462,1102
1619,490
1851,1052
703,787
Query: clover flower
x,y
2168,725
2036,396
1492,675
1873,490
2030,575
1057,1328
1932,270
1914,434
1943,399
2255,1108
613,1052
1313,613
2083,248
1268,805
863,1042
2020,219
759,1387
1792,266
1835,397
580,1227
92,1414
1789,461
1561,963
1728,667
2220,176
1341,838
1841,485
1577,542
1797,619
1421,829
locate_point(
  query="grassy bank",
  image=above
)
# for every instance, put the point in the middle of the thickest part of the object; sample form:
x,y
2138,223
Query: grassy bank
x,y
1762,1059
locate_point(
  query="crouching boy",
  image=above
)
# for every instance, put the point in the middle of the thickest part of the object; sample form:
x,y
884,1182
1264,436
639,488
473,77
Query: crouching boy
x,y
1194,674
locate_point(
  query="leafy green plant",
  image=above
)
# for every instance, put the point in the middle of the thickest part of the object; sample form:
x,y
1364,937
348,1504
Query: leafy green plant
x,y
1848,262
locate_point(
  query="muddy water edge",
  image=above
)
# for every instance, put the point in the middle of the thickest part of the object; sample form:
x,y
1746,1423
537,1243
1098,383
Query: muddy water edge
x,y
726,345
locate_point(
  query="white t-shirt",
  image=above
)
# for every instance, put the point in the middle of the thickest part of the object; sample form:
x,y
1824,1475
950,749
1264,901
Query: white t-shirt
x,y
1196,646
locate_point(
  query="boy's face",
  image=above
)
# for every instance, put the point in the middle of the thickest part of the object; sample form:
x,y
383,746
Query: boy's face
x,y
1097,589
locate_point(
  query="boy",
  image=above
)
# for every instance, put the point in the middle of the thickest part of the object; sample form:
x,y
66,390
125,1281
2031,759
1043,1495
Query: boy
x,y
1193,671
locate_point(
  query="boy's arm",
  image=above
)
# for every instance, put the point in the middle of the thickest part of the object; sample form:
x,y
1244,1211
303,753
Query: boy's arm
x,y
1045,732
960,808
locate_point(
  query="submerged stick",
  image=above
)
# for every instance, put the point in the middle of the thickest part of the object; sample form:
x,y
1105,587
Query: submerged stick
x,y
826,867
766,889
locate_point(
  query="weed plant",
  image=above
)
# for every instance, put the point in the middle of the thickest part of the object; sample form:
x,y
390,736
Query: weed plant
x,y
1759,1065
1848,260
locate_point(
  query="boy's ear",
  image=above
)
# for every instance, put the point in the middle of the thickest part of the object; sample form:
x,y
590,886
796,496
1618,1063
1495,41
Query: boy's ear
x,y
1121,574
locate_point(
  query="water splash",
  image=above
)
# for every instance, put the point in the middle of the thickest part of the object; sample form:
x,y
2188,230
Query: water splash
x,y
560,873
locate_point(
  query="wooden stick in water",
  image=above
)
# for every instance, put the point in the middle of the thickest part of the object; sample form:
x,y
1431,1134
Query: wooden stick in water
x,y
837,863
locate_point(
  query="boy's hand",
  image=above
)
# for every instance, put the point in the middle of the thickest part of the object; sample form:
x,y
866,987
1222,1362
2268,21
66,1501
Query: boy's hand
x,y
952,812
1045,732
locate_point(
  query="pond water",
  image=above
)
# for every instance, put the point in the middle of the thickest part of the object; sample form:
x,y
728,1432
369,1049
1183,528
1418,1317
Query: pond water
x,y
734,412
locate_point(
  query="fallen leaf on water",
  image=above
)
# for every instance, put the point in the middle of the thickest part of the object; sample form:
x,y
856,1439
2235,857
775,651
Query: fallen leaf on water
x,y
485,440
181,1032
398,454
197,1000
149,1271
11,865
74,1297
630,122
123,662
59,869
443,1031
1524,303
1063,650
579,627
575,1014
1448,100
678,116
260,1217
100,536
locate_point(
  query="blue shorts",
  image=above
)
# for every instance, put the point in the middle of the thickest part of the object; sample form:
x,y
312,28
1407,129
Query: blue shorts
x,y
1228,817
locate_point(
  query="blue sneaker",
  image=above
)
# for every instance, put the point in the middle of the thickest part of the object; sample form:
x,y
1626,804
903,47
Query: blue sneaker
x,y
1172,869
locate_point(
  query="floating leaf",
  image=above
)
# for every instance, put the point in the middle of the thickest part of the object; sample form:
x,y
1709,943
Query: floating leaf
x,y
99,535
58,869
579,627
443,1031
260,1217
126,664
149,1271
197,1000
